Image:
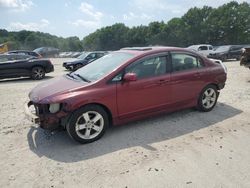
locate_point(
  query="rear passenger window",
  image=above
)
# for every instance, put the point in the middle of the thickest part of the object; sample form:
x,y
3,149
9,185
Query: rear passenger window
x,y
183,62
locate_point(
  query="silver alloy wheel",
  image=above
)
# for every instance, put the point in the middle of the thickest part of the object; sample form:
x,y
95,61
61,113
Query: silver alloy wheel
x,y
89,125
38,73
209,98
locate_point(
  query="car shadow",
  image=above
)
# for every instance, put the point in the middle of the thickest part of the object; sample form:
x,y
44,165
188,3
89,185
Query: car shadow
x,y
59,147
23,80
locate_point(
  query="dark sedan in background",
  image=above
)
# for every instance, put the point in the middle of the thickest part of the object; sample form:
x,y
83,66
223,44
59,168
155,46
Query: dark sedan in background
x,y
47,51
227,52
83,60
16,65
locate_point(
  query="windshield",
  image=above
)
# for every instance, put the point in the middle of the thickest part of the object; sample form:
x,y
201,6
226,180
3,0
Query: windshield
x,y
222,48
103,66
38,50
82,56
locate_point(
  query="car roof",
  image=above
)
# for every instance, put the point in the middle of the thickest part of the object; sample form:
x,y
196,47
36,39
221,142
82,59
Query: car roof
x,y
154,49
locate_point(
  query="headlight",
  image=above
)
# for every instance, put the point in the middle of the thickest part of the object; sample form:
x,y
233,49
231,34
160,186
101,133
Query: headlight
x,y
53,108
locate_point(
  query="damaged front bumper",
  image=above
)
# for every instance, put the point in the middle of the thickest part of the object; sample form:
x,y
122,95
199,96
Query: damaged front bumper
x,y
29,115
40,115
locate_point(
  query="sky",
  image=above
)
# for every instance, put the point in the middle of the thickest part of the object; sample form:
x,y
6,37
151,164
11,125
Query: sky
x,y
67,18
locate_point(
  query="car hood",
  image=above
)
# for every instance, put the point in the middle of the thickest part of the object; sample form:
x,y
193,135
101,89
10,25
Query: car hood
x,y
44,92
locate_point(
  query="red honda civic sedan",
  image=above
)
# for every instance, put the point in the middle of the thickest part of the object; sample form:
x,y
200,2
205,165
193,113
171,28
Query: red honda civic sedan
x,y
123,86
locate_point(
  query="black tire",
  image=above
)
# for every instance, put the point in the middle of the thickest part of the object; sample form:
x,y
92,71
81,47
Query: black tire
x,y
78,128
206,103
37,73
77,66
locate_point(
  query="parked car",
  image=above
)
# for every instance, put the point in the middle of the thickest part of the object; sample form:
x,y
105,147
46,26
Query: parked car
x,y
47,51
227,52
204,49
16,65
123,86
83,60
25,52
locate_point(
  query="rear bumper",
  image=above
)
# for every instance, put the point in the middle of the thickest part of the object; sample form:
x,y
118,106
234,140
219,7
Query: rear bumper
x,y
49,69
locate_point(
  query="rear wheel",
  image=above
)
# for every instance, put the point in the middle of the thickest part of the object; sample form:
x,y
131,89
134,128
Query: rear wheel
x,y
37,73
88,124
208,98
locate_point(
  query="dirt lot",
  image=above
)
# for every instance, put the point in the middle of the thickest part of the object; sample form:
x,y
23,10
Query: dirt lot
x,y
182,149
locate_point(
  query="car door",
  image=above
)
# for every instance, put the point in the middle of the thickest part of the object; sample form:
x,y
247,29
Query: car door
x,y
187,78
235,52
151,89
210,50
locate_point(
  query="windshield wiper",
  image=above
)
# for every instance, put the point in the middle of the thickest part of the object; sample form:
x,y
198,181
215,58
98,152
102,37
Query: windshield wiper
x,y
70,75
84,79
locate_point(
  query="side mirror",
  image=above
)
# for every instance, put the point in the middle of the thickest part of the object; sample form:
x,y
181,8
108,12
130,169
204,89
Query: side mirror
x,y
128,77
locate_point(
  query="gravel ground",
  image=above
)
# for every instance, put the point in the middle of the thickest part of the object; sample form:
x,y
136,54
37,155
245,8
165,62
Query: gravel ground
x,y
182,149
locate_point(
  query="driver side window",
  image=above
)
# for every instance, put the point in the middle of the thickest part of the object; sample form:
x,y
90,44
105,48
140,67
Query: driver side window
x,y
91,56
151,67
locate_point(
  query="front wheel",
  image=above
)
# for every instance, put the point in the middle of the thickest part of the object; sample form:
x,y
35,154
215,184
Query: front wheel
x,y
88,124
208,98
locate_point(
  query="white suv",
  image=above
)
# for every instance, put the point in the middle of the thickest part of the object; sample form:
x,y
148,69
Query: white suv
x,y
204,49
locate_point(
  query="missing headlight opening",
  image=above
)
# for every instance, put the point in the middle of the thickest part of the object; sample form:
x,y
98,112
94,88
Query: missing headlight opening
x,y
53,108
